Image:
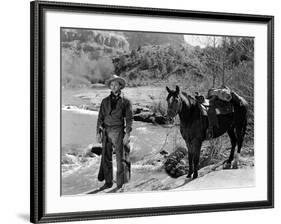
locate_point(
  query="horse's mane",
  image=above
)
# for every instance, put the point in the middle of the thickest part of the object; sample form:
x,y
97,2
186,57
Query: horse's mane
x,y
188,112
189,100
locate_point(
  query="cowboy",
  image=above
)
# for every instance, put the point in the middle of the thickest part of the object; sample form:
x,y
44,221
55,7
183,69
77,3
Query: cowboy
x,y
113,131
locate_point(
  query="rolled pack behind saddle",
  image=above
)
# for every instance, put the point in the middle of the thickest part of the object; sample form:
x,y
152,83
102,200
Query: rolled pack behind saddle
x,y
218,102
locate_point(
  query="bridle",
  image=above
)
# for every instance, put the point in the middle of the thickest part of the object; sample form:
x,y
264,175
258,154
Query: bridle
x,y
179,107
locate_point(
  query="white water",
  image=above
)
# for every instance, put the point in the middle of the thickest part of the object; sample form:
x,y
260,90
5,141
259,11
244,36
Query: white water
x,y
79,110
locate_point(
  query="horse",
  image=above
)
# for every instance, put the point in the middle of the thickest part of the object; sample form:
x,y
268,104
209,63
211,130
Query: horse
x,y
193,127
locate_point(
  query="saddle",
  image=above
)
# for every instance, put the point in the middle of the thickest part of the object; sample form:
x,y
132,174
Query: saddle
x,y
221,107
219,99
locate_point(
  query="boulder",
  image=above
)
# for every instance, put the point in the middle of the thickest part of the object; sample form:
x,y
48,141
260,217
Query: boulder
x,y
144,117
174,165
139,109
150,117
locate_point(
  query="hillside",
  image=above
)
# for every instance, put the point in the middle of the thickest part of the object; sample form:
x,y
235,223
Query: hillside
x,y
87,54
152,63
95,42
137,39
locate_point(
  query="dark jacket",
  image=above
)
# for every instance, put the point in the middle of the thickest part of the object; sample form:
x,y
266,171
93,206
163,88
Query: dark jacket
x,y
121,115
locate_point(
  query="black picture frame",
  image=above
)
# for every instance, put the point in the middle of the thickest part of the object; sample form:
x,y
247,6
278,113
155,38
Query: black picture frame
x,y
37,133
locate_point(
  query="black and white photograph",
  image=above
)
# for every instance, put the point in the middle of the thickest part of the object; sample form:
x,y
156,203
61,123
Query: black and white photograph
x,y
150,111
146,112
140,111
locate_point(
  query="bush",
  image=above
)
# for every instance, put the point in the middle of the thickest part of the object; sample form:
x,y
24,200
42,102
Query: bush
x,y
145,63
132,76
79,68
105,67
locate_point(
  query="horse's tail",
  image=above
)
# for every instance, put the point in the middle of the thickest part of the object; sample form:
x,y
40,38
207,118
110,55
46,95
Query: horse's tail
x,y
244,127
244,107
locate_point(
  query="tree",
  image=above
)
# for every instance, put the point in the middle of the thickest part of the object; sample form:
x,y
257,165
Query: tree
x,y
169,65
134,53
211,58
145,63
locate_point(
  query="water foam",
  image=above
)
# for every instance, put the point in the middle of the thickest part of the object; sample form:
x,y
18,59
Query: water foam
x,y
79,110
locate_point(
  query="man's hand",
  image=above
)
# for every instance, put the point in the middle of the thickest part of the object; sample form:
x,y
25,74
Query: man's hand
x,y
99,138
126,139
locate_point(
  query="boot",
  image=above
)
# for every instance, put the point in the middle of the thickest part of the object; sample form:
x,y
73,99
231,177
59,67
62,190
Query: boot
x,y
106,186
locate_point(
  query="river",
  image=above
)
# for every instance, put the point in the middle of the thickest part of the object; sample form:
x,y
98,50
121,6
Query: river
x,y
79,172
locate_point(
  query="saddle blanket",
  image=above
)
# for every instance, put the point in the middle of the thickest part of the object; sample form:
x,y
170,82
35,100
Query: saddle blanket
x,y
221,107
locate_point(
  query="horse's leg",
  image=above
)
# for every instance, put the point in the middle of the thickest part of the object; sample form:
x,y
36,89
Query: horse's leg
x,y
190,168
240,138
233,140
196,147
190,159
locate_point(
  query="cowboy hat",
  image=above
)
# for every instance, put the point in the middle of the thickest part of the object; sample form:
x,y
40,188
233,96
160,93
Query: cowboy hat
x,y
121,81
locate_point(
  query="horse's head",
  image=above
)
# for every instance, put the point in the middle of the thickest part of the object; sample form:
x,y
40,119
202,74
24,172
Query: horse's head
x,y
174,102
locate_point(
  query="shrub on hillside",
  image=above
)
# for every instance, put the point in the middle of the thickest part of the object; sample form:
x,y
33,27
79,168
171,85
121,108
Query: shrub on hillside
x,y
80,68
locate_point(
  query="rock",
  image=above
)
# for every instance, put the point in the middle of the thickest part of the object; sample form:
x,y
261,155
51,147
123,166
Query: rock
x,y
139,109
96,149
159,119
98,85
174,165
150,117
163,152
143,116
69,159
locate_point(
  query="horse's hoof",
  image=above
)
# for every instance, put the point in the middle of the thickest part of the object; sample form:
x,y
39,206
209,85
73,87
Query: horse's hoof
x,y
188,176
235,165
195,176
227,165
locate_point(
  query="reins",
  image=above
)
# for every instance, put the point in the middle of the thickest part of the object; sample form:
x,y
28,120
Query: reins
x,y
169,131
